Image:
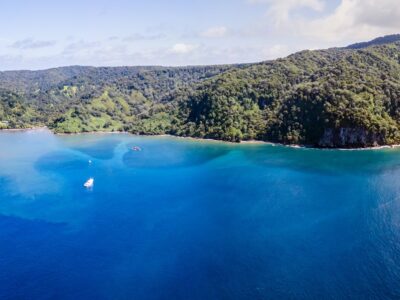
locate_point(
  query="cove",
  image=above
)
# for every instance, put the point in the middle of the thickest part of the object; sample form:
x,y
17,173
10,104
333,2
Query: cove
x,y
184,219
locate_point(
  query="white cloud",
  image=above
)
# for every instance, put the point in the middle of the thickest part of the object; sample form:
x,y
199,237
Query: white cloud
x,y
215,32
355,20
32,44
283,27
81,46
143,37
182,48
275,51
381,13
351,20
289,25
279,10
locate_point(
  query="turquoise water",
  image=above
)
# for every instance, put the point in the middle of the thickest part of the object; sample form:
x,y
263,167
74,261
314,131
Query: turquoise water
x,y
195,220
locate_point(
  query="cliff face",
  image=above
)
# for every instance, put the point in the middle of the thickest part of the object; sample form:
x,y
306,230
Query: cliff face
x,y
346,137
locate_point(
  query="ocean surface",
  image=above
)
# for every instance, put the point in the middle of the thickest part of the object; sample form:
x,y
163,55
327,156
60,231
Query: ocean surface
x,y
186,219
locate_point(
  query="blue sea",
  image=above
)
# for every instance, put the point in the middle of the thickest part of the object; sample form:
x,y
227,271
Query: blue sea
x,y
185,219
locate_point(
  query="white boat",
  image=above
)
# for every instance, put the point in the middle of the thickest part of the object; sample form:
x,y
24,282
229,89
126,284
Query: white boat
x,y
89,183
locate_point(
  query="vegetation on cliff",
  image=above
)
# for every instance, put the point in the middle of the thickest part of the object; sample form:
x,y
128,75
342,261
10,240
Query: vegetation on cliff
x,y
341,97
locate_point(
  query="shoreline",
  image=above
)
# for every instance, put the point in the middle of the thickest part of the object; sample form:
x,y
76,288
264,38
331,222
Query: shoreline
x,y
38,128
249,142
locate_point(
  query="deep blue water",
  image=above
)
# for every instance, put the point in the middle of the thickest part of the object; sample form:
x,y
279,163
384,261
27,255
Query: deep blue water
x,y
195,220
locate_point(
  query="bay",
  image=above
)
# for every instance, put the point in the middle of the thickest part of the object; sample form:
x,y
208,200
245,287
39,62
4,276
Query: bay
x,y
185,219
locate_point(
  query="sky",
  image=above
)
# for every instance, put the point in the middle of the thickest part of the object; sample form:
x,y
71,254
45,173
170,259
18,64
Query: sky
x,y
43,34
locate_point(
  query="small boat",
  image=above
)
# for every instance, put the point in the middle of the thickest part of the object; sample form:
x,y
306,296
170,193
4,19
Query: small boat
x,y
89,183
136,148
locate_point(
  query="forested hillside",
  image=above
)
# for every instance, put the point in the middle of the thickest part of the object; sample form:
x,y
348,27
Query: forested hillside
x,y
78,99
341,97
330,98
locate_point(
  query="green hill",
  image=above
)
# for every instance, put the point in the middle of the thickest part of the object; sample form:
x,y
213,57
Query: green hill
x,y
341,97
328,98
